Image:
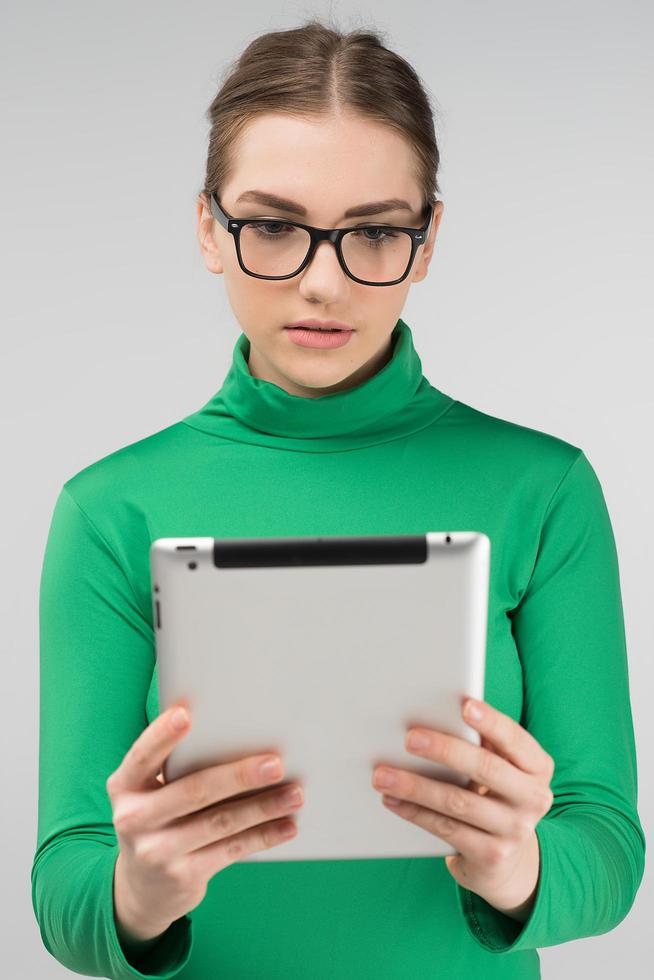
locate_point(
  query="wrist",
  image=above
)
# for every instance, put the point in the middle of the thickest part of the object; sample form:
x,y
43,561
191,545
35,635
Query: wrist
x,y
519,902
133,932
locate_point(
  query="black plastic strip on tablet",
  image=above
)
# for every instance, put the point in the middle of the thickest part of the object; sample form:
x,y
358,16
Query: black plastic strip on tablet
x,y
408,549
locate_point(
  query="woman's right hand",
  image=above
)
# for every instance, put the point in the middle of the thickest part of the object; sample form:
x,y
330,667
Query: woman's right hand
x,y
174,837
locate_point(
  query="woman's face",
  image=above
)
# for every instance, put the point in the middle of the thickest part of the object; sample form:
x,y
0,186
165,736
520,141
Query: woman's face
x,y
327,166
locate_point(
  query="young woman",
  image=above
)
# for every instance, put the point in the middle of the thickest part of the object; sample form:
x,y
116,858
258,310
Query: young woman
x,y
319,208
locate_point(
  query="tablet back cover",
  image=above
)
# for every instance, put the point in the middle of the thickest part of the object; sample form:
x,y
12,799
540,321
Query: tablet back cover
x,y
326,651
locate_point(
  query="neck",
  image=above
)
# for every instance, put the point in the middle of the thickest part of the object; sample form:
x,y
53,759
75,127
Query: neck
x,y
388,404
262,368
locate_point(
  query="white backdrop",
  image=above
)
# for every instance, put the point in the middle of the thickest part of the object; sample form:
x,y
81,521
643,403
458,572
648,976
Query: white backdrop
x,y
537,307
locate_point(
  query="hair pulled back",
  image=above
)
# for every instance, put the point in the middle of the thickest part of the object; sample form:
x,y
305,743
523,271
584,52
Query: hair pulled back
x,y
316,70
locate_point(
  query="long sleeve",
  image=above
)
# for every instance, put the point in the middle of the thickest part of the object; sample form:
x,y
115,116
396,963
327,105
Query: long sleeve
x,y
96,662
569,631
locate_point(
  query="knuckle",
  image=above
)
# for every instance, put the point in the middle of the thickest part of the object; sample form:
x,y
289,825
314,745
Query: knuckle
x,y
235,847
443,750
488,767
148,851
222,820
455,800
272,833
545,801
444,825
277,834
410,783
111,784
196,790
513,739
137,755
522,827
126,817
497,852
268,835
549,765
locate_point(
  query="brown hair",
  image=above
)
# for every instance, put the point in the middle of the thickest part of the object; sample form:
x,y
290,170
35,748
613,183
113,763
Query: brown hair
x,y
311,70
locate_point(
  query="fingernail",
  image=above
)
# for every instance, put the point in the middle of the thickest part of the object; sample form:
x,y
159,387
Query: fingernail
x,y
271,768
473,710
385,777
179,719
418,740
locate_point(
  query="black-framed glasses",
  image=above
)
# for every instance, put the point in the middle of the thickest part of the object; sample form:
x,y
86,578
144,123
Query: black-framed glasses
x,y
274,248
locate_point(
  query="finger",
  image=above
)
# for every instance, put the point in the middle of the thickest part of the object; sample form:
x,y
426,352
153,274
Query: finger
x,y
511,740
468,841
473,785
451,800
148,753
481,764
210,860
229,819
236,781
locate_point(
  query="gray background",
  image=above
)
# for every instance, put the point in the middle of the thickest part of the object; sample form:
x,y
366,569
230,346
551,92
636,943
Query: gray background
x,y
537,307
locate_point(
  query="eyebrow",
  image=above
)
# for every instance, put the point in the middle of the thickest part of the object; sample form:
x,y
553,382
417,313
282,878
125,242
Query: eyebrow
x,y
361,210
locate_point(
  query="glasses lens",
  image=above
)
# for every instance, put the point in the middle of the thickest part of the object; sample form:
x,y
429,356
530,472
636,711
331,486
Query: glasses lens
x,y
271,248
377,254
374,253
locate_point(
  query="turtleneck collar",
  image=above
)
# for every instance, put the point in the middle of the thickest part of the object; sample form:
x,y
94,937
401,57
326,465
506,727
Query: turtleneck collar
x,y
394,402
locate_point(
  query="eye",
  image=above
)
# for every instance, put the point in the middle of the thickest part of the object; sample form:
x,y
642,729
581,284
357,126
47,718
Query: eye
x,y
385,236
259,227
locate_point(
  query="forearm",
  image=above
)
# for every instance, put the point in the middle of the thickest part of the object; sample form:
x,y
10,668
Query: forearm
x,y
72,900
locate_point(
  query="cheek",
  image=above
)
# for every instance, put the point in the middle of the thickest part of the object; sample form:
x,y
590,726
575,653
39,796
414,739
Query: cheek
x,y
385,301
275,297
253,300
371,306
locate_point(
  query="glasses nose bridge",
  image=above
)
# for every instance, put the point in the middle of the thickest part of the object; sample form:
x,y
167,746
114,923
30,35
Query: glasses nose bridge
x,y
324,235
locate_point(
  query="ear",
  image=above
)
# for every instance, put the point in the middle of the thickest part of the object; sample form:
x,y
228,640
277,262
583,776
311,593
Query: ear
x,y
208,239
421,265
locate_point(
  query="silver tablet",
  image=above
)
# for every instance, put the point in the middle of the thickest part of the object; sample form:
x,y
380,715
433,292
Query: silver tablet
x,y
324,650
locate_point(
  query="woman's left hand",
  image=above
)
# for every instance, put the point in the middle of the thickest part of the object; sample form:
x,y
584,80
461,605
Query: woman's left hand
x,y
492,825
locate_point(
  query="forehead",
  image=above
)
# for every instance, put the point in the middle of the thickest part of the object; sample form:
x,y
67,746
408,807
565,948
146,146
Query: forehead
x,y
332,165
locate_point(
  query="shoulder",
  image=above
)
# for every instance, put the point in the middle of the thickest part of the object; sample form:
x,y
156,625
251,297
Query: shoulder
x,y
129,473
523,453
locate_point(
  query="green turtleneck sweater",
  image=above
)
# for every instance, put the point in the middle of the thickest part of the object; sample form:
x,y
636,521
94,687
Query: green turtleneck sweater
x,y
395,456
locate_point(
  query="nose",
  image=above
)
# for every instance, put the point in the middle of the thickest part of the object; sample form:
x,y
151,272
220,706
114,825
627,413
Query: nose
x,y
331,247
322,281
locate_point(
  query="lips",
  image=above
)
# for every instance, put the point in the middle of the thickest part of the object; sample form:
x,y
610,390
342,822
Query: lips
x,y
313,324
321,339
